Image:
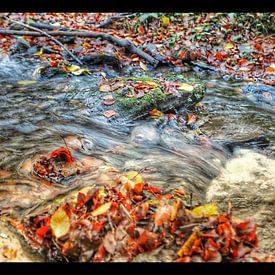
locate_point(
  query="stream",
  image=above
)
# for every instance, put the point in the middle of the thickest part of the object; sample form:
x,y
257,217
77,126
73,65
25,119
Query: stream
x,y
35,117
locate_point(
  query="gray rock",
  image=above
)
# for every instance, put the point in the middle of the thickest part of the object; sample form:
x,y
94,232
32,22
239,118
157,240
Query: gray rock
x,y
248,182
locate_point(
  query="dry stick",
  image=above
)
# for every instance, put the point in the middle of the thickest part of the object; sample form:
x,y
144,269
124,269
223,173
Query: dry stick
x,y
127,44
48,35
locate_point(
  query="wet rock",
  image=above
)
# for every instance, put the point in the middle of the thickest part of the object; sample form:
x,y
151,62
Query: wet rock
x,y
264,94
93,59
20,46
136,103
248,182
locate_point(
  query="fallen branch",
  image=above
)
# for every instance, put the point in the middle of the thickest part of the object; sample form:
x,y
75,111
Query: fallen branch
x,y
48,35
113,39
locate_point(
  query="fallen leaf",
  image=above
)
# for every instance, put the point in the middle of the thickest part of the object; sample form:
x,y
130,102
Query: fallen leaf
x,y
109,113
186,87
191,118
102,209
141,30
9,253
60,223
187,246
155,113
134,176
152,84
26,82
270,70
229,46
143,66
62,154
42,231
105,88
109,242
165,21
204,211
39,53
162,215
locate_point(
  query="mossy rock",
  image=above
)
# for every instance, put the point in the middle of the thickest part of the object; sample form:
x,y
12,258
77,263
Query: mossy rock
x,y
135,107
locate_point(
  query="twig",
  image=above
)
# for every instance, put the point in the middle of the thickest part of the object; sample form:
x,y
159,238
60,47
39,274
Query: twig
x,y
127,44
48,35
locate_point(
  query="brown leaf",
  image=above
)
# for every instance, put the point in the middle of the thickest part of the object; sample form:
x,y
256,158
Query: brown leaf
x,y
141,30
109,242
105,88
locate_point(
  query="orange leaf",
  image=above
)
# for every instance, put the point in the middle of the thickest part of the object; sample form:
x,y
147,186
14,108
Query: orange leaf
x,y
163,214
270,70
191,118
155,113
187,246
141,30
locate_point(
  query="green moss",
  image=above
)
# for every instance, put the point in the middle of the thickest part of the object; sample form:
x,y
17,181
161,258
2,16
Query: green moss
x,y
138,104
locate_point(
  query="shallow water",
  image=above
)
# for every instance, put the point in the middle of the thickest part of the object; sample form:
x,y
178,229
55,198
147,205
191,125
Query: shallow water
x,y
35,117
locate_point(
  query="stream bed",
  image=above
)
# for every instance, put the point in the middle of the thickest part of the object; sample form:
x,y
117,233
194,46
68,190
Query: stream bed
x,y
35,119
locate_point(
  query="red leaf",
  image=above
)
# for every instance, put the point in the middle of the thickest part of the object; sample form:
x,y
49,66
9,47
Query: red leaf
x,y
42,231
152,190
62,154
138,187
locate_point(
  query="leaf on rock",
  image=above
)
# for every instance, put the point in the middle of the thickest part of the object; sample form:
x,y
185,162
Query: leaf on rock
x,y
26,82
60,223
62,154
141,30
108,100
9,253
229,46
186,87
155,113
143,66
165,21
109,113
134,176
204,211
102,209
105,88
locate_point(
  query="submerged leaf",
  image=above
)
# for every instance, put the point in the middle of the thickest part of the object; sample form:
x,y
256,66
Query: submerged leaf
x,y
26,82
60,223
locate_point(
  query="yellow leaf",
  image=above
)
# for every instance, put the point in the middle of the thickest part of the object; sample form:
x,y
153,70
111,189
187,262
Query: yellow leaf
x,y
105,88
39,53
152,84
229,46
187,246
165,21
204,211
134,176
186,87
76,70
155,113
60,223
26,82
102,209
143,66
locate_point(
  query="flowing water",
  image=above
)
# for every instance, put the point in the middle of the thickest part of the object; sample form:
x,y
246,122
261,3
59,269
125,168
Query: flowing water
x,y
35,117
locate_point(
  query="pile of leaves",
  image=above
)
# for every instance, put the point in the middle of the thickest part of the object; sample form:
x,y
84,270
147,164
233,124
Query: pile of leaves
x,y
56,167
129,218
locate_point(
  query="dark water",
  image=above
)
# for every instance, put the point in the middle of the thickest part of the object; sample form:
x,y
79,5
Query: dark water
x,y
35,117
